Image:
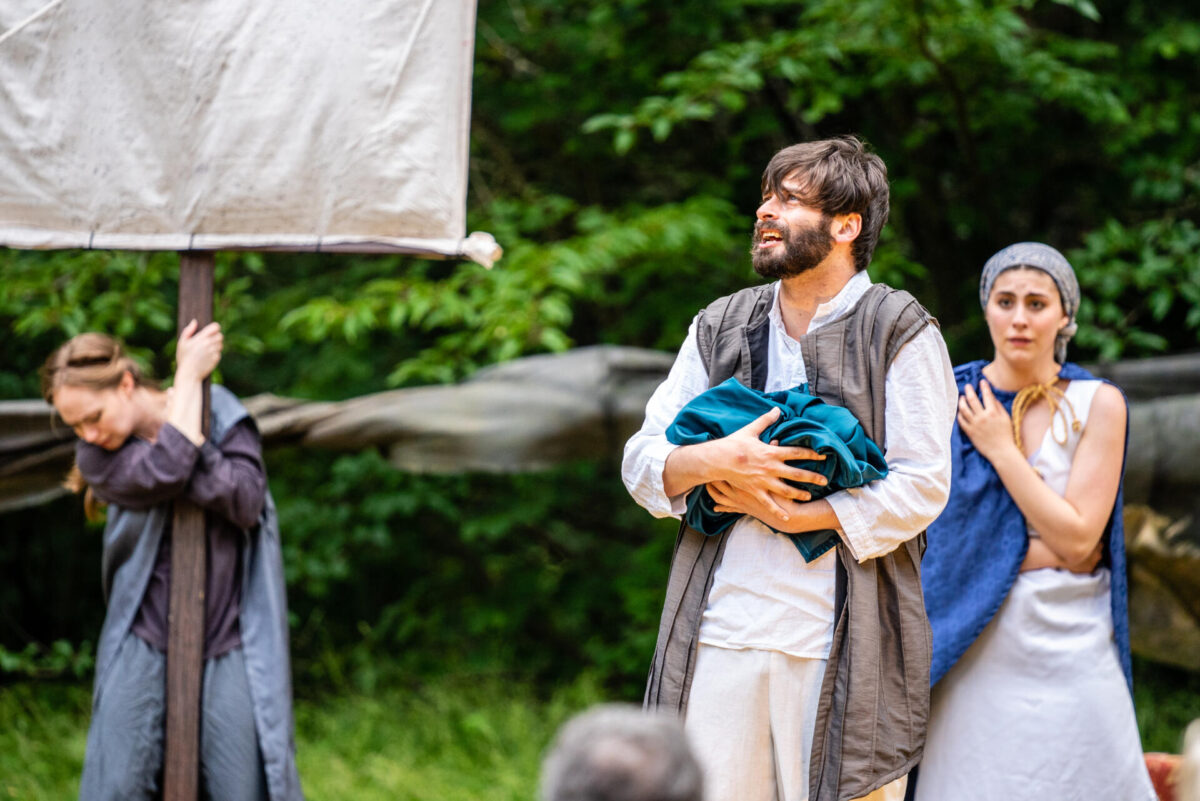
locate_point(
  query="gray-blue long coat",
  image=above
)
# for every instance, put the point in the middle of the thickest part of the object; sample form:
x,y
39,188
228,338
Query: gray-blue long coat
x,y
131,540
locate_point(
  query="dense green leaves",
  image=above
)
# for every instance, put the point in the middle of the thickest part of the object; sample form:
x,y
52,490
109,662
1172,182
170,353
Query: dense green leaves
x,y
544,572
1000,122
478,317
616,153
60,658
1139,281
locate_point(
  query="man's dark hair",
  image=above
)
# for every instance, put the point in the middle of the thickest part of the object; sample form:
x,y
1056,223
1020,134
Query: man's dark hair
x,y
836,176
618,752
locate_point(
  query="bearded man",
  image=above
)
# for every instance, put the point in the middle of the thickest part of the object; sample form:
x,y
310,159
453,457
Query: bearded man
x,y
803,680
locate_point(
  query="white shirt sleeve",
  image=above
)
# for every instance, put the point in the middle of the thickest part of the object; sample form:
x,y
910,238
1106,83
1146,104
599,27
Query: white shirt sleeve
x,y
646,451
921,402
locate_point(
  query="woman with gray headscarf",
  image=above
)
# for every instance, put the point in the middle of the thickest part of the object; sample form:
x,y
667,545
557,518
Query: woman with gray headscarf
x,y
1024,575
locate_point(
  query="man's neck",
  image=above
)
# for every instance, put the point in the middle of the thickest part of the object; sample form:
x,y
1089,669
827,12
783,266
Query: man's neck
x,y
800,295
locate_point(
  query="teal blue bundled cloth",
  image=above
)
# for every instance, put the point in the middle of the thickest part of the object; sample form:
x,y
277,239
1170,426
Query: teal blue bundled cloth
x,y
851,459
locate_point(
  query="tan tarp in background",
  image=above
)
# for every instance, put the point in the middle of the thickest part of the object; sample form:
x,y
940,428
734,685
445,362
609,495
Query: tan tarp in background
x,y
211,124
536,412
527,414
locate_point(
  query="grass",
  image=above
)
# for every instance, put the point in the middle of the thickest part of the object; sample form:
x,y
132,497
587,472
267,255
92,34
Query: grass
x,y
1167,699
455,738
43,729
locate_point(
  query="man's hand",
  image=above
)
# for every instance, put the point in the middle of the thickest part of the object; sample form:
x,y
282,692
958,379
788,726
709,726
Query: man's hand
x,y
751,467
797,517
730,499
756,470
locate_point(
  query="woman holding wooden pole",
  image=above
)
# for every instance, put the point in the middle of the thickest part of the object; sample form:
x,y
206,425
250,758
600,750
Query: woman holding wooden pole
x,y
140,449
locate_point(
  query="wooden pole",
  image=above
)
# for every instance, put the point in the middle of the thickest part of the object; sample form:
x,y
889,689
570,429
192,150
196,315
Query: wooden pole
x,y
185,633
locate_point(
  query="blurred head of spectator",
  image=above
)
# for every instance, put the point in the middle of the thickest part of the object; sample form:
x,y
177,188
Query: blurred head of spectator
x,y
620,753
1187,776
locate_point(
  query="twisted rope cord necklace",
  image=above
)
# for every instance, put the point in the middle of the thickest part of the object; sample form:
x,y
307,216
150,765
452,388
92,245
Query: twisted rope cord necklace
x,y
1059,403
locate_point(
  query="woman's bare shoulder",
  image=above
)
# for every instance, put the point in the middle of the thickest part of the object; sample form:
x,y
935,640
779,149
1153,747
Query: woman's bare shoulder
x,y
1107,418
1108,406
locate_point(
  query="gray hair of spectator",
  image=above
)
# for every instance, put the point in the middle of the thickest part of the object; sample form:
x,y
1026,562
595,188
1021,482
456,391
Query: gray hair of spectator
x,y
618,752
836,176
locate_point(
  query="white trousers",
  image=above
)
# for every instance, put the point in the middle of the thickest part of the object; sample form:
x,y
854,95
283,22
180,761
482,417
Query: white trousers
x,y
750,720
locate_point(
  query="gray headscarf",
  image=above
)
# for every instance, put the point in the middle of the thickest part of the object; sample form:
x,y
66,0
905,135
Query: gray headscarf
x,y
1048,260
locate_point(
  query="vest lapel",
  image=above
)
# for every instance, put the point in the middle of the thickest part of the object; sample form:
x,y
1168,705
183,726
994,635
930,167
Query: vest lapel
x,y
758,337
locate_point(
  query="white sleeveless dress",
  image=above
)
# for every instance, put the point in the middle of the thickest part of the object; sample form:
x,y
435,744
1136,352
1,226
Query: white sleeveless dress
x,y
1038,708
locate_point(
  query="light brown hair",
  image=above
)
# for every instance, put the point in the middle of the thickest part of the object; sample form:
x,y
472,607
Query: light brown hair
x,y
92,361
836,176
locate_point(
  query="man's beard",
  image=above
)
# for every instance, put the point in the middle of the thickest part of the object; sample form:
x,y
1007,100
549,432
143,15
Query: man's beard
x,y
802,250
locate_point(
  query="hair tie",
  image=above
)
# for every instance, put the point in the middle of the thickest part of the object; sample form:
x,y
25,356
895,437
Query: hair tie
x,y
88,361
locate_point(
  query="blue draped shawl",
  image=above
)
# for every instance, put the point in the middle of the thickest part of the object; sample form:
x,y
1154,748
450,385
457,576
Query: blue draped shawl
x,y
975,548
851,459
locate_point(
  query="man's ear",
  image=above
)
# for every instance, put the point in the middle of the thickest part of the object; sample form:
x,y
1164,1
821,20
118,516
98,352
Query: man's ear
x,y
127,383
846,227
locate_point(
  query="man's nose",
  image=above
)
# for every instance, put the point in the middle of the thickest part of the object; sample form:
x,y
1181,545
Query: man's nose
x,y
768,209
90,435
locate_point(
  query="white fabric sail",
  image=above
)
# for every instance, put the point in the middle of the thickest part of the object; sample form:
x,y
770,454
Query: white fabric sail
x,y
210,124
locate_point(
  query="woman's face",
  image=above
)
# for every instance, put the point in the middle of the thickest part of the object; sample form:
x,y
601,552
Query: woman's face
x,y
103,417
1024,315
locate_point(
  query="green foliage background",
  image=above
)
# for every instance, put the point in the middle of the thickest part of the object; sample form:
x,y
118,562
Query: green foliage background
x,y
616,152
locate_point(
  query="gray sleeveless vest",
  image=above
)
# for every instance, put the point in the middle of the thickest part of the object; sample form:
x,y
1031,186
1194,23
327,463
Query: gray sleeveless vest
x,y
875,697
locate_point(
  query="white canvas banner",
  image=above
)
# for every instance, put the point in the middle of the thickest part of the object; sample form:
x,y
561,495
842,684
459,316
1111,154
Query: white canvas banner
x,y
208,124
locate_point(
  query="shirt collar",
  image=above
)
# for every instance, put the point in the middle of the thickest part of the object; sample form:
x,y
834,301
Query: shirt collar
x,y
831,309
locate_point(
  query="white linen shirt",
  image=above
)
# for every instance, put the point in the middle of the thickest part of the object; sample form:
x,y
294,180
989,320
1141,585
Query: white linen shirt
x,y
764,595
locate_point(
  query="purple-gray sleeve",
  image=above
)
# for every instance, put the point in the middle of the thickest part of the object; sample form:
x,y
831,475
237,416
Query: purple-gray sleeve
x,y
139,474
230,479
